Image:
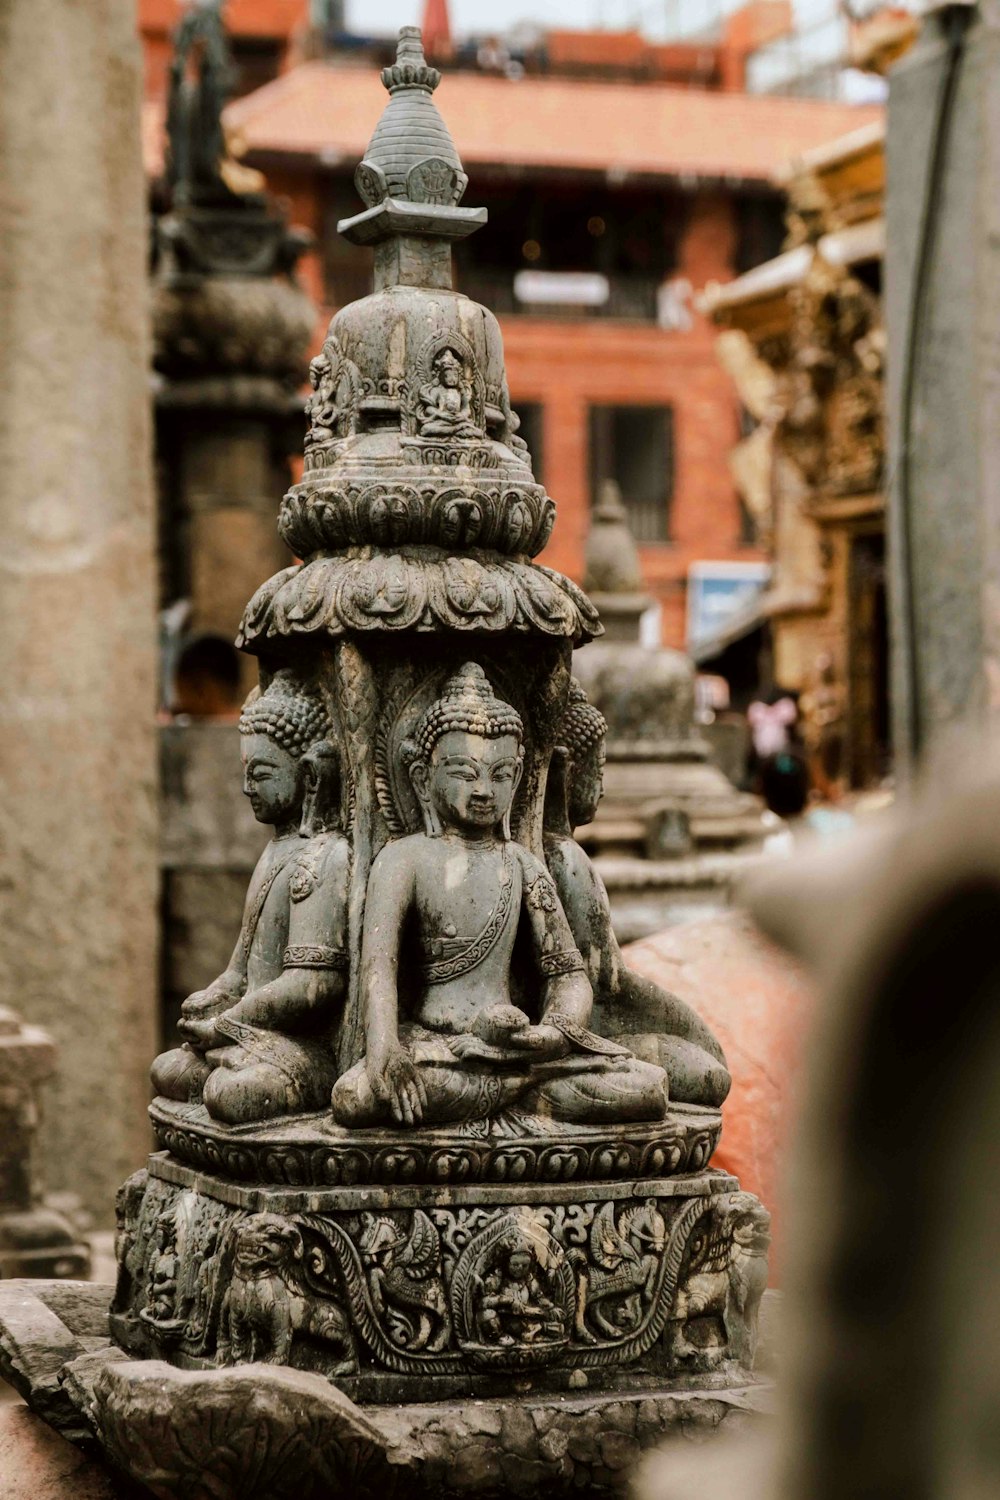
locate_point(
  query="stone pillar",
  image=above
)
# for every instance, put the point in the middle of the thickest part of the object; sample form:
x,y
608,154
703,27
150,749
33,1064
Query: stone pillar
x,y
77,638
945,502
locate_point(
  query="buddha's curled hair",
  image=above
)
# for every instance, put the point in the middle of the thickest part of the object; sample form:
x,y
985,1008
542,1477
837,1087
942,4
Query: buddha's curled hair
x,y
583,726
293,716
467,703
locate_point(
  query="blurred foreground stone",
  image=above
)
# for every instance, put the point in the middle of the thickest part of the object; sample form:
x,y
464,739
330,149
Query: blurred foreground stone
x,y
889,1377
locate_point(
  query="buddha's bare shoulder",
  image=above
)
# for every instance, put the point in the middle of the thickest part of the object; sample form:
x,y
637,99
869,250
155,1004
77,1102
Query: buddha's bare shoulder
x,y
402,854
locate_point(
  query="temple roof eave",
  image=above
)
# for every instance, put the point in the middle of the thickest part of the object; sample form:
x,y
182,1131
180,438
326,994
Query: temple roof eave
x,y
426,590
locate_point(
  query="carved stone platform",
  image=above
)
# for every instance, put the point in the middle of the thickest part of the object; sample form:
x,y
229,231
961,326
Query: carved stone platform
x,y
312,1151
415,1291
263,1432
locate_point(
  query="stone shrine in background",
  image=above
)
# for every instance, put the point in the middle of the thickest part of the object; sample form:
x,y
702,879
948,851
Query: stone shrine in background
x,y
670,832
36,1236
231,330
425,1138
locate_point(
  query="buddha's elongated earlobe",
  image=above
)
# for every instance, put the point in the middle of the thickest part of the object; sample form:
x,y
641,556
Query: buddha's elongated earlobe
x,y
419,774
516,782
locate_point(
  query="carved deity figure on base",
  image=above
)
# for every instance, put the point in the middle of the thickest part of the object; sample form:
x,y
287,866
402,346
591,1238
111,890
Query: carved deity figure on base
x,y
445,1041
657,1025
257,1041
445,406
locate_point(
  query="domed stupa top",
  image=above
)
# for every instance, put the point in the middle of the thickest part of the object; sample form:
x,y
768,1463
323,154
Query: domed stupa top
x,y
612,571
411,175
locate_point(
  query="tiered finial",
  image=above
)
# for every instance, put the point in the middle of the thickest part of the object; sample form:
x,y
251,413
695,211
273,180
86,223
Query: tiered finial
x,y
411,69
411,175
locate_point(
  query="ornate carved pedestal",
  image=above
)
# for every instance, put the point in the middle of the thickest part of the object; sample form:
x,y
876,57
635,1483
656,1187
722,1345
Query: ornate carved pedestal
x,y
453,1265
419,1292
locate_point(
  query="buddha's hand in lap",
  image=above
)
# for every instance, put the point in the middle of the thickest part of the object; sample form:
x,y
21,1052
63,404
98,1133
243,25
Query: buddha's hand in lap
x,y
204,1003
200,1031
540,1043
396,1081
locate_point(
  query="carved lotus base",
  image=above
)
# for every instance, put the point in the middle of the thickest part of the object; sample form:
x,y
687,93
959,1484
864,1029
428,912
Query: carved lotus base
x,y
312,1151
419,1292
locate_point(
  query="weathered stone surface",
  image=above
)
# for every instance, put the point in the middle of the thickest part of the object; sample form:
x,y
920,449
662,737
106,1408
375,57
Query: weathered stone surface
x,y
404,1293
760,1003
257,1433
35,1347
77,636
187,1434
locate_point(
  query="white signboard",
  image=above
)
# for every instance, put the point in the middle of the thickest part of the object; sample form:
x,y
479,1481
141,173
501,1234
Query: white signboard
x,y
566,288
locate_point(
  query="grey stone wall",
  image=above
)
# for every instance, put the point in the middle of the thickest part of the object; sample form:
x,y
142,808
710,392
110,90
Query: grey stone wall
x,y
78,875
947,669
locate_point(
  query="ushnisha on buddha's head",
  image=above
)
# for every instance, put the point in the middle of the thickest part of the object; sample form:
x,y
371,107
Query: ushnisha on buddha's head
x,y
465,758
284,748
583,732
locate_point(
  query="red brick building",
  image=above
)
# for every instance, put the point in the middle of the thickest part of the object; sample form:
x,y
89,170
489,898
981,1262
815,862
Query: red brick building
x,y
612,204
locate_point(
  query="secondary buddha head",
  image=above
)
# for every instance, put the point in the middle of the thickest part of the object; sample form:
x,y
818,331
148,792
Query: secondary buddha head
x,y
465,757
284,745
583,732
448,368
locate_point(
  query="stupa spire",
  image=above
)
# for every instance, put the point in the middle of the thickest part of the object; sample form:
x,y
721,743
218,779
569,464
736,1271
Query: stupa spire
x,y
411,178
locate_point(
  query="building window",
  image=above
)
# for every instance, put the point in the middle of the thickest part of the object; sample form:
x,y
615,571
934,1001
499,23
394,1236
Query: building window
x,y
634,445
531,415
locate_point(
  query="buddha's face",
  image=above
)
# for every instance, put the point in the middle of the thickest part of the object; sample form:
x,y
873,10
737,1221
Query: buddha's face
x,y
471,780
519,1267
272,779
586,785
449,373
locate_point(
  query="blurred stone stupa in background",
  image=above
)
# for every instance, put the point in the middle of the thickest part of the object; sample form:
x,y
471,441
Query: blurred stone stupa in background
x,y
231,332
671,828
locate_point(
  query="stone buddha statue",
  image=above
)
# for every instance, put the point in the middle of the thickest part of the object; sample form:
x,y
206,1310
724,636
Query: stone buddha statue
x,y
257,1041
657,1025
476,1000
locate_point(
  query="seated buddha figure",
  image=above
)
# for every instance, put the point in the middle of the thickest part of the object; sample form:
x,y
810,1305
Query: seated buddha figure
x,y
446,1040
445,406
656,1025
257,1041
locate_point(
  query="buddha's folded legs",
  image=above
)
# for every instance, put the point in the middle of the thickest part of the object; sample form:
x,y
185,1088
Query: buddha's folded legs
x,y
268,1074
628,1091
696,1077
180,1074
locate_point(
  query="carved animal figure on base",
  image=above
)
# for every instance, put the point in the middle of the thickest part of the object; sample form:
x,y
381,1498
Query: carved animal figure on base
x,y
718,1302
265,1306
405,1281
616,1282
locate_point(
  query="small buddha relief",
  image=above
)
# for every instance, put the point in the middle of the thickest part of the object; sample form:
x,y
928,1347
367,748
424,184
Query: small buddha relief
x,y
332,407
445,417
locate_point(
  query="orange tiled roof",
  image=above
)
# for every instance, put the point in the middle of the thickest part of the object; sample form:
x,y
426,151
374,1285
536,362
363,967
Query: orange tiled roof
x,y
319,109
